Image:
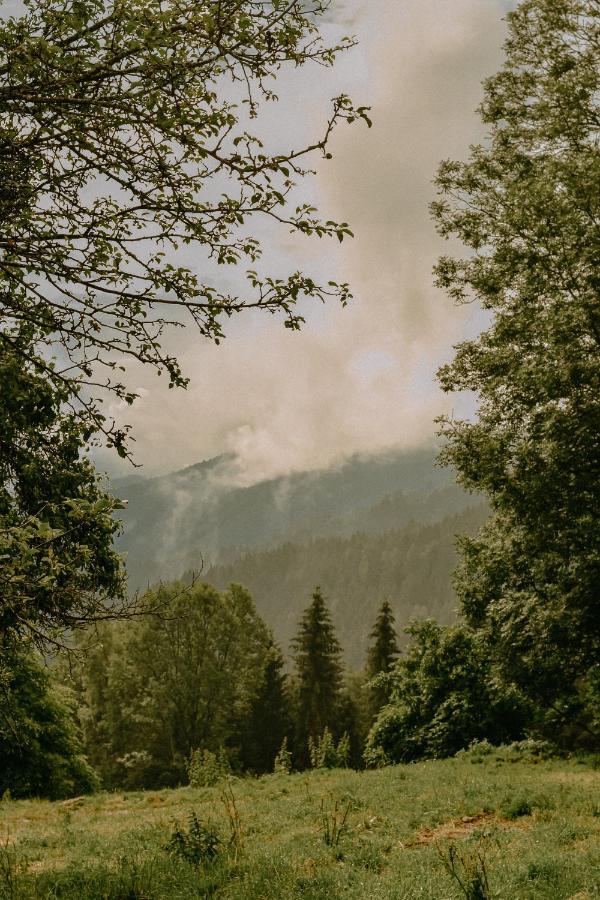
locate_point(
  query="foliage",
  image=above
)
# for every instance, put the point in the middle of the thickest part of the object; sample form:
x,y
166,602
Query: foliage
x,y
267,720
58,568
444,695
283,761
414,563
198,844
468,871
205,768
126,133
526,207
381,655
171,684
324,753
318,675
40,749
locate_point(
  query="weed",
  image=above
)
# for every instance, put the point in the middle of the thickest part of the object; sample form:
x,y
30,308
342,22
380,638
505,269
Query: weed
x,y
206,768
198,845
283,760
8,870
333,822
236,838
468,871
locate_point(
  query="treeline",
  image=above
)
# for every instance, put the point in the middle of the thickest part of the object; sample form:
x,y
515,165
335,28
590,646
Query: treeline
x,y
410,565
148,702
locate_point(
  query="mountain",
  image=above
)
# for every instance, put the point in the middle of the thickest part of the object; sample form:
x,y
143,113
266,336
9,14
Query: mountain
x,y
409,566
202,515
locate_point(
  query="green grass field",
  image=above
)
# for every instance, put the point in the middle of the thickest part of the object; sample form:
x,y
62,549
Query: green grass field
x,y
527,829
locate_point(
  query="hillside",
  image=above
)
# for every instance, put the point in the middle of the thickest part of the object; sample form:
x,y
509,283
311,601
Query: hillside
x,y
411,566
175,521
527,831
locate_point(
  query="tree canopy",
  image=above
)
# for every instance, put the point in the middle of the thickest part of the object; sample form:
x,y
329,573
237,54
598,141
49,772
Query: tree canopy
x,y
126,133
59,570
318,676
526,205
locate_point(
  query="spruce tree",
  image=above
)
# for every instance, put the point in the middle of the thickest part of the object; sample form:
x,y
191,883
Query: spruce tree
x,y
268,722
381,655
317,655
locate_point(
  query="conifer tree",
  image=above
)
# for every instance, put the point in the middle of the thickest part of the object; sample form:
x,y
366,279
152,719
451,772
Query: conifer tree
x,y
381,655
268,721
318,676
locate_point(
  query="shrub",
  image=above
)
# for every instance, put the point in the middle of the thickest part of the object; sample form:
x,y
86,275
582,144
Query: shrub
x,y
198,844
283,760
206,768
325,754
445,695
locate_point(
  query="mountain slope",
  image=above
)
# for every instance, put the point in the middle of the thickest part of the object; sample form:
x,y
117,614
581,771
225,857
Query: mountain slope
x,y
174,522
410,566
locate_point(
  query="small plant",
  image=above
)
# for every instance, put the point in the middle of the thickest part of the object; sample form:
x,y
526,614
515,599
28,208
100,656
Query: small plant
x,y
8,870
468,871
206,768
198,845
236,838
283,760
324,754
333,822
343,751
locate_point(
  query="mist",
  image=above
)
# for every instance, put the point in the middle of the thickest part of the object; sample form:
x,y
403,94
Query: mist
x,y
361,379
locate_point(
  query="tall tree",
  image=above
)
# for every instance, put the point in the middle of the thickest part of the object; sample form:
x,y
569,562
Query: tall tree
x,y
126,134
58,569
381,655
40,747
318,676
527,205
158,688
267,721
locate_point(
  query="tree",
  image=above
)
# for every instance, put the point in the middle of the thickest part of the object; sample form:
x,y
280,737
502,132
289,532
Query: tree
x,y
158,688
267,723
526,205
58,570
381,655
40,749
443,695
126,134
318,676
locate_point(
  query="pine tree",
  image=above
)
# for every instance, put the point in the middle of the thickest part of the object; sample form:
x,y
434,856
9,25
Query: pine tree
x,y
381,655
268,721
318,676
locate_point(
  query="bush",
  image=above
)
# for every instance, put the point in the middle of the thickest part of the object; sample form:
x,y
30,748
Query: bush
x,y
206,768
445,695
325,754
198,845
283,760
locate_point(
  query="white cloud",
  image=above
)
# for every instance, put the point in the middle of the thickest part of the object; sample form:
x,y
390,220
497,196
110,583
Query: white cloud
x,y
359,379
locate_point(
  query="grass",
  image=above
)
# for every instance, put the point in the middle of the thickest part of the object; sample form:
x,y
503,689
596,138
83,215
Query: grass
x,y
435,830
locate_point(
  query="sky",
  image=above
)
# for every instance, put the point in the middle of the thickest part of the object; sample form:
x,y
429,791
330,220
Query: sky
x,y
360,379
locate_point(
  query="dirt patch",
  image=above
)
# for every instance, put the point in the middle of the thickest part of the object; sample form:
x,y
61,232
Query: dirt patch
x,y
457,828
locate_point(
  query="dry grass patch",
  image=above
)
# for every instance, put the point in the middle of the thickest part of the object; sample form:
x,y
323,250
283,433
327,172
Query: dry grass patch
x,y
463,827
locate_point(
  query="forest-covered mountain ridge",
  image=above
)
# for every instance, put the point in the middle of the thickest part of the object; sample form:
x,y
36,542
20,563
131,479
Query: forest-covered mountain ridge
x,y
177,521
409,566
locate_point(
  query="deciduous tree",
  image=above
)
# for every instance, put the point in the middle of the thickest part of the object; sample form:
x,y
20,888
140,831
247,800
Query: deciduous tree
x,y
126,132
527,206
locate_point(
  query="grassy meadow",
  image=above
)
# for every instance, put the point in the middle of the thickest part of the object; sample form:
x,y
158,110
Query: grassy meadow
x,y
477,827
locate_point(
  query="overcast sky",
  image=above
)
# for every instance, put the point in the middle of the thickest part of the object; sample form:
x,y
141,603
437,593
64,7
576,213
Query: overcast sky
x,y
360,379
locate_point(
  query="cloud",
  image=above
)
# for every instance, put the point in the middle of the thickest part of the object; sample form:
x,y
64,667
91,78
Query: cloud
x,y
360,379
